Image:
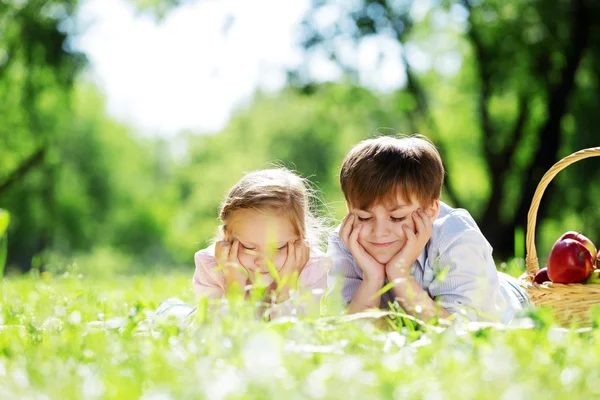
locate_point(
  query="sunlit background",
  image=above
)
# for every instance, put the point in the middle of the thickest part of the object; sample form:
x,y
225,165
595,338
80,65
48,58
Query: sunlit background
x,y
190,70
124,122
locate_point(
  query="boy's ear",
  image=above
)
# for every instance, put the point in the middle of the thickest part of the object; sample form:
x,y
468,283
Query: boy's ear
x,y
433,210
347,207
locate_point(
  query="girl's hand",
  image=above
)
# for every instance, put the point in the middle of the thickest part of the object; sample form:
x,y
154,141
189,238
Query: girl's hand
x,y
399,266
298,253
373,270
234,273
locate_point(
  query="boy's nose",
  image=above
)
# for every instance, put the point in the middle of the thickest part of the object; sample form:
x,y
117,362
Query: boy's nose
x,y
381,229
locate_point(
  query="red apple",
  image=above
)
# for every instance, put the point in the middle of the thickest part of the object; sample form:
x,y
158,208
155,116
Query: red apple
x,y
581,239
569,262
541,276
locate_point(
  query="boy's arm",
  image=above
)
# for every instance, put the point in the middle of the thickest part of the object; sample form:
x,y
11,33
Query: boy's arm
x,y
466,278
343,268
358,292
366,296
416,301
410,295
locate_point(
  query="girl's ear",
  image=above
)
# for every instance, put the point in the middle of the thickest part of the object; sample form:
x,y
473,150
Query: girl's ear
x,y
433,210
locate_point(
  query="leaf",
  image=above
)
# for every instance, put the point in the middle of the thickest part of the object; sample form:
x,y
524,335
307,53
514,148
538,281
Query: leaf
x,y
385,289
273,271
4,221
442,275
3,253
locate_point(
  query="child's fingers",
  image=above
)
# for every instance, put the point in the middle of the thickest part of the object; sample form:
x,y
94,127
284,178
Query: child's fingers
x,y
423,225
295,251
410,234
361,248
428,222
419,222
289,259
346,228
222,251
297,254
303,254
344,231
302,243
353,239
235,270
233,251
346,218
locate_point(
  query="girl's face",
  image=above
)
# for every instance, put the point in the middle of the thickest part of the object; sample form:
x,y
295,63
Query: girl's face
x,y
382,235
262,235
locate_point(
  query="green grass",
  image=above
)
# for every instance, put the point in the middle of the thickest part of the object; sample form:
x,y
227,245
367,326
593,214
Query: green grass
x,y
49,350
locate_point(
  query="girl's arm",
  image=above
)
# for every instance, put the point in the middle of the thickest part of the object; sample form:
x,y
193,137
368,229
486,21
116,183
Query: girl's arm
x,y
206,281
311,286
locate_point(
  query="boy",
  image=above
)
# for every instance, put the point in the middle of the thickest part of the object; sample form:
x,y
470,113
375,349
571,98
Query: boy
x,y
398,233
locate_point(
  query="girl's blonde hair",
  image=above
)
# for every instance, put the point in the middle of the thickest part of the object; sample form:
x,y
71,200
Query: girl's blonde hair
x,y
276,190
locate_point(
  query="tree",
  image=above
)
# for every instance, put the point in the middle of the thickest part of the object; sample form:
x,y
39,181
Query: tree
x,y
308,133
71,178
527,75
36,76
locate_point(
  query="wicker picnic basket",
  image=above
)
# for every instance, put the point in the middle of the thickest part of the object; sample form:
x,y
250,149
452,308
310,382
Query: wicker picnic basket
x,y
569,302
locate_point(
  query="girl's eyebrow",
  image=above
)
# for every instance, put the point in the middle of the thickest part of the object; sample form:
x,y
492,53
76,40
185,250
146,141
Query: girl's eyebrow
x,y
277,244
243,242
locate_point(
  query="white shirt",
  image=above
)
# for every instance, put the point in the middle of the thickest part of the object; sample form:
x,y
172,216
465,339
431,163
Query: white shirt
x,y
456,268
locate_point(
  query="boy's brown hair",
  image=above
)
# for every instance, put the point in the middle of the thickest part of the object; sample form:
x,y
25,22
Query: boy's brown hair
x,y
377,170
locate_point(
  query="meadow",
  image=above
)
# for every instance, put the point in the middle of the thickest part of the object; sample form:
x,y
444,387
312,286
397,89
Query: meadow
x,y
503,89
72,336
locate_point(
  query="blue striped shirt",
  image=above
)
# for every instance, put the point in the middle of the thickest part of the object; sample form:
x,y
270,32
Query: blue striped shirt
x,y
456,268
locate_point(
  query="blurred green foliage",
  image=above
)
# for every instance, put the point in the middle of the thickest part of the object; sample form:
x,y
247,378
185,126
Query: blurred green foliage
x,y
505,89
67,337
4,222
78,183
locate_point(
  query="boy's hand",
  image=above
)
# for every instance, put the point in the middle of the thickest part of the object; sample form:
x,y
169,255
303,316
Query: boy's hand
x,y
349,231
399,266
226,256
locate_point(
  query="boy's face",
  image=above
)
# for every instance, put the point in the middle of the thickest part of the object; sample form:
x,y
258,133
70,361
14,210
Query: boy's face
x,y
382,235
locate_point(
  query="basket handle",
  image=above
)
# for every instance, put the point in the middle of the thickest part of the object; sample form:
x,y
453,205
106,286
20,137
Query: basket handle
x,y
531,260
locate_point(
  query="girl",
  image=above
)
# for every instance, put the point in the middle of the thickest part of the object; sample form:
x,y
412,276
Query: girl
x,y
267,231
266,219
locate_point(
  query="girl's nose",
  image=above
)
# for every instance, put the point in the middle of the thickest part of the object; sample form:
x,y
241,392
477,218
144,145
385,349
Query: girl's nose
x,y
259,261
